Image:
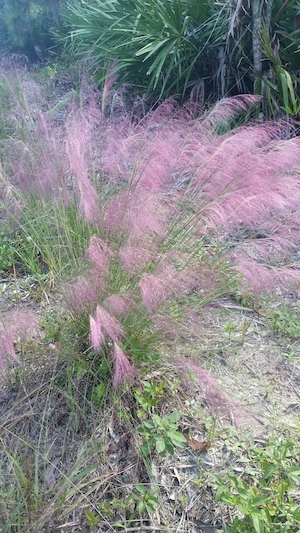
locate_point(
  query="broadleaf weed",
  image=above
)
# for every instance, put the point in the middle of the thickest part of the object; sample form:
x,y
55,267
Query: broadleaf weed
x,y
263,495
162,433
285,321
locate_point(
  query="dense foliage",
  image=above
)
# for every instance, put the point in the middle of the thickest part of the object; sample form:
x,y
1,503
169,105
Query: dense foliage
x,y
206,49
26,24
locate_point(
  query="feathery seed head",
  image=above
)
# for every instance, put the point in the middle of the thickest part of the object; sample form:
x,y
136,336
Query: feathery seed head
x,y
123,368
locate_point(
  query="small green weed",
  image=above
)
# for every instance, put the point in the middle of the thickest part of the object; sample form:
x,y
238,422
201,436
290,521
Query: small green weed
x,y
286,321
148,396
51,71
163,433
91,519
210,424
265,494
230,327
144,499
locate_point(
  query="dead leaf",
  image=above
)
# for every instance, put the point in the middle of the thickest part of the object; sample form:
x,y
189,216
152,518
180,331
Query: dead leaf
x,y
197,445
118,445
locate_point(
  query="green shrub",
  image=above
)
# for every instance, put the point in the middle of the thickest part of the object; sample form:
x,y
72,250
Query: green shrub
x,y
266,494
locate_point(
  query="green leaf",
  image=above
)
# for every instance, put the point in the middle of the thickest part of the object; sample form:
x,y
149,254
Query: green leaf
x,y
260,500
174,417
141,507
147,446
296,514
160,445
175,435
150,507
143,431
141,488
157,420
169,448
270,470
258,525
148,424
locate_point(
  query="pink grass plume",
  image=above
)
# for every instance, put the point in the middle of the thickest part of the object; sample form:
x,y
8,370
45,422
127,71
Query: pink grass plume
x,y
124,371
104,325
16,325
99,253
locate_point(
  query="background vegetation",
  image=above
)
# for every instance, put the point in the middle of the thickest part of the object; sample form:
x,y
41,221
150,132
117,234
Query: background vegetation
x,y
203,50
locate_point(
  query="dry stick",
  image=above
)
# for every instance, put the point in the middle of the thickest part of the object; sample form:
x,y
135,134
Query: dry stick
x,y
28,488
138,528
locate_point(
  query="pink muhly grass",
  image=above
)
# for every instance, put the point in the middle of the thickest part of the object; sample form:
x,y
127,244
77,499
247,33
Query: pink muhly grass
x,y
147,154
97,337
218,402
84,293
38,162
137,257
124,371
160,141
118,305
262,278
154,293
78,149
116,158
104,324
241,180
166,281
12,203
155,168
245,177
139,212
21,322
99,253
16,324
227,108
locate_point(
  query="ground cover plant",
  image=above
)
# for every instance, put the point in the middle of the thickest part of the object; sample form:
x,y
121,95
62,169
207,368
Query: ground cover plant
x,y
265,500
127,225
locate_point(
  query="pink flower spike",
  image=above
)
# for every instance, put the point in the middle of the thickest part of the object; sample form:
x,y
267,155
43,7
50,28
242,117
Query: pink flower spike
x,y
117,305
98,252
153,292
15,325
123,369
96,334
108,324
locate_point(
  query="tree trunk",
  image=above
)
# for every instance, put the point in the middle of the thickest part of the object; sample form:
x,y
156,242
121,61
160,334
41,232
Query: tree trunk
x,y
257,13
54,6
268,15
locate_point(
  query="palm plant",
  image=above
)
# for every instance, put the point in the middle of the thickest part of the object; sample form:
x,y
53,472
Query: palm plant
x,y
215,49
259,53
158,45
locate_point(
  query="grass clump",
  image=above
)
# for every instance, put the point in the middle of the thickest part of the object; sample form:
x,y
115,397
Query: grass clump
x,y
124,226
6,251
